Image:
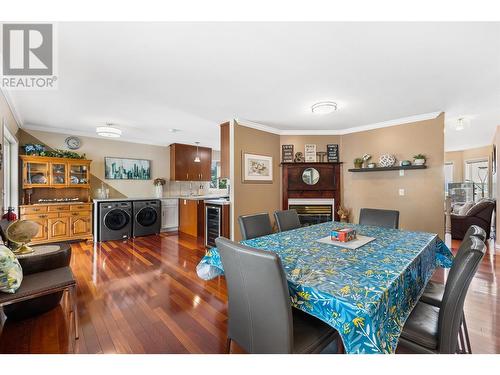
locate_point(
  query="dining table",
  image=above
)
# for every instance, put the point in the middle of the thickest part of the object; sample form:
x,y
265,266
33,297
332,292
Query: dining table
x,y
366,293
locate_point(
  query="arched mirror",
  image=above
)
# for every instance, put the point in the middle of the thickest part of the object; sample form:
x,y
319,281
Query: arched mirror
x,y
310,176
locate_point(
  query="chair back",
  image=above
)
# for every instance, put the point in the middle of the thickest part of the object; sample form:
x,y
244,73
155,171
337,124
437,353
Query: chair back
x,y
287,220
260,314
451,312
379,218
477,231
257,225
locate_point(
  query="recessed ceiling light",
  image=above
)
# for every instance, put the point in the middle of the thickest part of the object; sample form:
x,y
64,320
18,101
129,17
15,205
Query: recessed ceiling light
x,y
108,131
174,130
323,108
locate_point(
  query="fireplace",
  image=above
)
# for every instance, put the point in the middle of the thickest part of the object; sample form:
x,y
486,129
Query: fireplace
x,y
313,210
315,197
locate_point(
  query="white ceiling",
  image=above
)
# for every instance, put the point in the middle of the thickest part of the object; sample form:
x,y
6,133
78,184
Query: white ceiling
x,y
150,77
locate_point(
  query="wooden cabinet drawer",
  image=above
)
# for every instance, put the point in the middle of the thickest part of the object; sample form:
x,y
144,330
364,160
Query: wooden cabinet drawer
x,y
35,217
33,210
61,208
81,207
75,213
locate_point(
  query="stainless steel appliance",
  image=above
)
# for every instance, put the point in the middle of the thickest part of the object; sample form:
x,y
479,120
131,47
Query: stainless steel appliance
x,y
147,217
115,220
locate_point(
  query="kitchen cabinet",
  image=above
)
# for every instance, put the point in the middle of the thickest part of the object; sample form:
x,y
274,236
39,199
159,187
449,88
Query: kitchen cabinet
x,y
169,214
192,218
59,222
183,166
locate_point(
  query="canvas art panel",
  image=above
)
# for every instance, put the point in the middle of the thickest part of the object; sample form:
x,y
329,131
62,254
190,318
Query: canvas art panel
x,y
126,169
257,168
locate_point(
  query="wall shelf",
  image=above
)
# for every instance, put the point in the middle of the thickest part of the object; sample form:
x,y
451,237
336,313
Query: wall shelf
x,y
379,169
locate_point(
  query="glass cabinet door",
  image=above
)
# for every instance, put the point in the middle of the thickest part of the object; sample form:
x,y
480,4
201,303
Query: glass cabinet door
x,y
36,173
78,174
58,173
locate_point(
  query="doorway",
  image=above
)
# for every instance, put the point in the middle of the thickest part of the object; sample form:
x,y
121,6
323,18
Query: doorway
x,y
10,151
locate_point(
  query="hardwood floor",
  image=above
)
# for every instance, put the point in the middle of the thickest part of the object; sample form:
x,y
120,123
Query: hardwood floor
x,y
143,296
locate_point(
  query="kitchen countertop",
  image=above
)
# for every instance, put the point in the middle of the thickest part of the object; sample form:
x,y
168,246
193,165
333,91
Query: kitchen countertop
x,y
187,197
53,203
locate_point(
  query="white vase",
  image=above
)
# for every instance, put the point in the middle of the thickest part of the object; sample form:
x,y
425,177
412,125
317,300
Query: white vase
x,y
418,161
159,191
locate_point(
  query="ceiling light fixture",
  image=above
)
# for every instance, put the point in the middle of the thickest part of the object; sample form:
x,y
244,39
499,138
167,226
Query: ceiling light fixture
x,y
108,131
323,108
197,158
174,130
460,124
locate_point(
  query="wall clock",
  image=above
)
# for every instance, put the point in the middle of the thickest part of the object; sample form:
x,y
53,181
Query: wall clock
x,y
73,143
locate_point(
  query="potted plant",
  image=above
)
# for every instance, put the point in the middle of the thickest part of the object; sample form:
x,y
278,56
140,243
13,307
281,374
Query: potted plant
x,y
358,162
158,183
419,159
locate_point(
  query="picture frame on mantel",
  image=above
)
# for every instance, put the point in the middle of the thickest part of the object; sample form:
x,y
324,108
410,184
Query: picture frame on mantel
x,y
287,155
256,169
310,153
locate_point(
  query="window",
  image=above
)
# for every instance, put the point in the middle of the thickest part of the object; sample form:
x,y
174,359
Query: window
x,y
216,182
477,172
448,176
10,165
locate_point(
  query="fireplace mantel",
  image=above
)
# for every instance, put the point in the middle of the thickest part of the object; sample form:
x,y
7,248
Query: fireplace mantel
x,y
328,186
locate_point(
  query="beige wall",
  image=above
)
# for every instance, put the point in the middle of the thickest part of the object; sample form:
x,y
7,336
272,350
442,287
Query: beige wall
x,y
252,198
97,148
456,157
421,209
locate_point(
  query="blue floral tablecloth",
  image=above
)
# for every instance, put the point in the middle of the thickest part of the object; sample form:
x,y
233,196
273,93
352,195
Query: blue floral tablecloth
x,y
366,294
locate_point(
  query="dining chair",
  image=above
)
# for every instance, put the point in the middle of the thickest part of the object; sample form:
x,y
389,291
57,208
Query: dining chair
x,y
379,218
287,220
434,292
257,225
261,318
432,329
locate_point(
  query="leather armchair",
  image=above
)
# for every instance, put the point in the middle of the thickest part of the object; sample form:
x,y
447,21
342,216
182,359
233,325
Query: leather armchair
x,y
480,214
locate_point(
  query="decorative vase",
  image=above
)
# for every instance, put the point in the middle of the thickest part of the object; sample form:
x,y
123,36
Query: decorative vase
x,y
358,165
418,161
159,191
387,160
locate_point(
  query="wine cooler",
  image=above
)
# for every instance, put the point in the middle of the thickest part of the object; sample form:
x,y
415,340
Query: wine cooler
x,y
213,222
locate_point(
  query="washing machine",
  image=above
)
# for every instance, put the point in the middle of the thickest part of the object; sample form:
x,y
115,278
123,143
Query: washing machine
x,y
147,217
115,220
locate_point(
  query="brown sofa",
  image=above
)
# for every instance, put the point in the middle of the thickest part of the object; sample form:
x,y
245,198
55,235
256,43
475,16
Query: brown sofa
x,y
480,214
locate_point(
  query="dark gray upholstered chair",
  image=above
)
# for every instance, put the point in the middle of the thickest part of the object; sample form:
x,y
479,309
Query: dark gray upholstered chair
x,y
261,319
257,225
379,218
431,329
434,292
287,220
43,284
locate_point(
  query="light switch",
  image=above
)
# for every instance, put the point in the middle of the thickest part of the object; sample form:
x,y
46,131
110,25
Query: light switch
x,y
401,172
402,192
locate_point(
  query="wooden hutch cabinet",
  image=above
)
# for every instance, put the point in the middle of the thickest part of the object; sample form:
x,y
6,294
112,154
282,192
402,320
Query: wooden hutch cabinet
x,y
56,195
183,166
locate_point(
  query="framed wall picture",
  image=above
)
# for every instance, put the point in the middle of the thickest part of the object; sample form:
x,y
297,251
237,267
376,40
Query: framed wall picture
x,y
310,153
332,153
287,153
126,169
257,168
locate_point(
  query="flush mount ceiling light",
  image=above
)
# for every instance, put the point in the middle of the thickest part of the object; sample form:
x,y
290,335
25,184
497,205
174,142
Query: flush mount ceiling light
x,y
323,108
109,131
197,158
174,130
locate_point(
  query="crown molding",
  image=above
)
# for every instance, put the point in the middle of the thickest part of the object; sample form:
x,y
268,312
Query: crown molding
x,y
88,134
17,118
356,129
